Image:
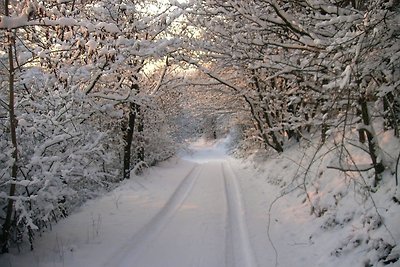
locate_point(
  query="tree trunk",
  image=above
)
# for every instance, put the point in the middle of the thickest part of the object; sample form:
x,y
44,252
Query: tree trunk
x,y
275,142
128,137
361,132
390,114
13,126
260,127
373,146
277,145
140,126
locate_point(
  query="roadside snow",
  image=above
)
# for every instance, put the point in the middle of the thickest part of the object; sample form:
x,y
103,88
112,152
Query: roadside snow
x,y
208,209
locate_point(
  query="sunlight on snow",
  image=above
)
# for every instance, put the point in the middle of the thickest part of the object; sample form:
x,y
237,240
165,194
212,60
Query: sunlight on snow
x,y
203,151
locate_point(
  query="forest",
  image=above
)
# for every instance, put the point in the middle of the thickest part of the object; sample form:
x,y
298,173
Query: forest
x,y
94,90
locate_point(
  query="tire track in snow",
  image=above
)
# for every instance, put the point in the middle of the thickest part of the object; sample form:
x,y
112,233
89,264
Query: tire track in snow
x,y
127,254
195,235
238,247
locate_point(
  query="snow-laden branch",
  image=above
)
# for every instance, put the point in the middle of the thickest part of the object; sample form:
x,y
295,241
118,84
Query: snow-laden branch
x,y
289,20
9,23
51,142
113,97
352,168
160,81
307,47
96,79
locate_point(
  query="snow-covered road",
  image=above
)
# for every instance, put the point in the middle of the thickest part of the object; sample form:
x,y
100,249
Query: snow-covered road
x,y
201,224
197,226
186,212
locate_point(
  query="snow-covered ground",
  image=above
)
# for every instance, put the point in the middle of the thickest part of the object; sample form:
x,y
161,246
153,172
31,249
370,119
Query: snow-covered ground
x,y
210,210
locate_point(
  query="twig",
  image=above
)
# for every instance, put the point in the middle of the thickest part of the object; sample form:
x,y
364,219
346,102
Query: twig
x,y
269,226
397,170
269,213
349,169
368,191
306,173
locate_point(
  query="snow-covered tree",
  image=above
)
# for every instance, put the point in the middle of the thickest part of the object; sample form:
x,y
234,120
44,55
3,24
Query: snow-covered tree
x,y
303,67
74,73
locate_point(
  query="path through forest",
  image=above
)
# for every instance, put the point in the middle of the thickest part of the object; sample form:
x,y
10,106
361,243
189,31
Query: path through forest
x,y
189,211
203,223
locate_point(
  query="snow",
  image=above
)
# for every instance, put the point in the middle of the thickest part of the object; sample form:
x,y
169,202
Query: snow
x,y
109,27
66,22
203,151
205,208
346,77
13,22
92,45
